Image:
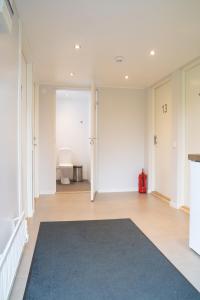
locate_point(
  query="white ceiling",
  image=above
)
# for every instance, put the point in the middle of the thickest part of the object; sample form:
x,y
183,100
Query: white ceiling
x,y
105,29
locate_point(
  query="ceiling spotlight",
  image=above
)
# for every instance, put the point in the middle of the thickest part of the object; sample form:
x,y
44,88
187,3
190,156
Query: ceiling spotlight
x,y
71,74
77,47
152,52
126,77
119,59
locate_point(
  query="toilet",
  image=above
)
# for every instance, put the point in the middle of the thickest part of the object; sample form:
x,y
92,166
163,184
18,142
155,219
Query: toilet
x,y
65,165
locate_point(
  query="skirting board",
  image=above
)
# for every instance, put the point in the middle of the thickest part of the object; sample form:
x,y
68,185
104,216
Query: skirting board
x,y
118,190
161,197
186,209
46,193
173,204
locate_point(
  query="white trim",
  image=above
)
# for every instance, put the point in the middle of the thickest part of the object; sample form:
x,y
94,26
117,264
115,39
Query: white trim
x,y
185,97
135,189
150,134
93,136
86,87
185,71
162,82
49,192
30,202
19,163
121,87
192,64
36,142
63,86
97,138
52,192
177,97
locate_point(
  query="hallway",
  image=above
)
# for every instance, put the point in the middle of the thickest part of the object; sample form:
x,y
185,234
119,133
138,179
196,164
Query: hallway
x,y
138,65
166,227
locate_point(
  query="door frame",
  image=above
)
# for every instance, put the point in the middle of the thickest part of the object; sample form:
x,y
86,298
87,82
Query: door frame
x,y
36,141
89,138
157,86
185,71
93,142
151,133
176,79
29,199
180,76
19,158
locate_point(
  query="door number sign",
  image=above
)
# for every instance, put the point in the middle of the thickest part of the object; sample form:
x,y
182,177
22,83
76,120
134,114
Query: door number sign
x,y
164,108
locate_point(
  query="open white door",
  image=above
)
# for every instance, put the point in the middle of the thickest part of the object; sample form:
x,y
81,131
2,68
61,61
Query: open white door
x,y
30,96
93,141
36,142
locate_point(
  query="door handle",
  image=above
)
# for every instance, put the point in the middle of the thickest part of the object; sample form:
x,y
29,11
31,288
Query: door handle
x,y
92,140
155,140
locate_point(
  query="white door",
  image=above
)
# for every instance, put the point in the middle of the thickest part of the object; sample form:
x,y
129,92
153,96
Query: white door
x,y
93,141
163,139
36,142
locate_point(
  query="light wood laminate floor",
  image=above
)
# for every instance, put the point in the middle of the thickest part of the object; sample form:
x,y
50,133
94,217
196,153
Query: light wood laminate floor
x,y
166,227
83,186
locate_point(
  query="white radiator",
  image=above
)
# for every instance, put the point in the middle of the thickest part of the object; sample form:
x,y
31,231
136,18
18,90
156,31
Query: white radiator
x,y
10,256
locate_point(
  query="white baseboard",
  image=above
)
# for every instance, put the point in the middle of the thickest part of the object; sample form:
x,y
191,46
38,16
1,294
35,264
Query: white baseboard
x,y
135,189
50,192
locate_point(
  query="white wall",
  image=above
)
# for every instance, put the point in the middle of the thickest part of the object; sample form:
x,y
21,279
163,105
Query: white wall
x,y
9,100
121,127
72,126
47,140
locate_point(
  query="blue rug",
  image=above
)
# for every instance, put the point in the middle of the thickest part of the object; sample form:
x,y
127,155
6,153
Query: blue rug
x,y
102,260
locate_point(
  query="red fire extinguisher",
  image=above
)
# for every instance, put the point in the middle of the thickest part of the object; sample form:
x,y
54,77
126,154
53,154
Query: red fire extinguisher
x,y
142,182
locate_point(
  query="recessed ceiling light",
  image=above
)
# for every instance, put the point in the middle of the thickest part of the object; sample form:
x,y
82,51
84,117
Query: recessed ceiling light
x,y
119,59
152,52
77,47
126,77
71,74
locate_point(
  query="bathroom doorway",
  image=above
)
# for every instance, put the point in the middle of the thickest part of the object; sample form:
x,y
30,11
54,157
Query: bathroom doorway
x,y
73,155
